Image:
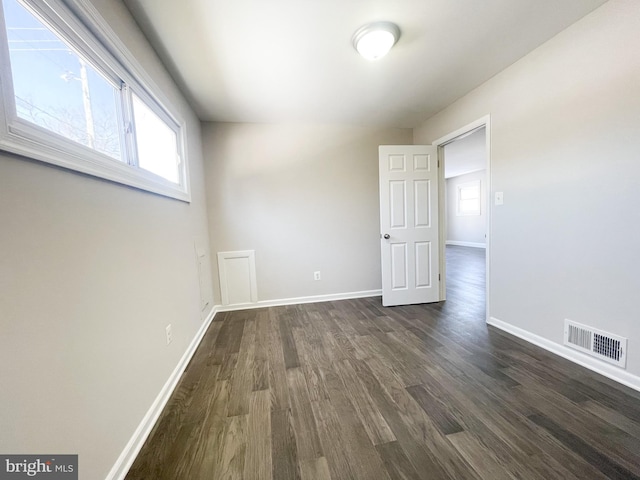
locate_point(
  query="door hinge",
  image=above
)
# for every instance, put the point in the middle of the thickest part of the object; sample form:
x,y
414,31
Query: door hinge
x,y
438,277
438,163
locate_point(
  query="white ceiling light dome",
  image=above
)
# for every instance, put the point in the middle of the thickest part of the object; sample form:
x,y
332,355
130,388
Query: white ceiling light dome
x,y
374,40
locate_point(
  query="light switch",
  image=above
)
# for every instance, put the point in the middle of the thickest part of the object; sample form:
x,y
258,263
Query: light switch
x,y
499,198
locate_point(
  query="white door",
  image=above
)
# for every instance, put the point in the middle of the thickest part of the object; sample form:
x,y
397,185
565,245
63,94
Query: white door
x,y
409,224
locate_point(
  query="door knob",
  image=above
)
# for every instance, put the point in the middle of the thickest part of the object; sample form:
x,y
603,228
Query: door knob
x,y
386,236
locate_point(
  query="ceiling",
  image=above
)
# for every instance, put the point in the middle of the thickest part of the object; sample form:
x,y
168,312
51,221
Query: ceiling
x,y
465,155
293,61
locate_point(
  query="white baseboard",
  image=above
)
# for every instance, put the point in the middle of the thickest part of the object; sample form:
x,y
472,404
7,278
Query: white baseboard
x,y
609,371
299,300
131,450
133,447
466,244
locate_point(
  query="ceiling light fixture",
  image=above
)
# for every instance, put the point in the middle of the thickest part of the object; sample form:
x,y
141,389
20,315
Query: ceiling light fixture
x,y
374,40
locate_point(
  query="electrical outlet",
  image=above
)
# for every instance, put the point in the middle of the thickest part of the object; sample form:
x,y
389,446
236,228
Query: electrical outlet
x,y
316,275
169,334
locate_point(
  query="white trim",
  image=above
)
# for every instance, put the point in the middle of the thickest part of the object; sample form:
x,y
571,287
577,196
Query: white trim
x,y
80,24
250,255
47,148
609,371
133,447
131,450
109,40
466,244
299,300
462,132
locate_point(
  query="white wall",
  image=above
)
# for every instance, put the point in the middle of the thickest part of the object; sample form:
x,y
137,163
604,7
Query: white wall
x,y
565,150
467,154
304,197
466,228
90,274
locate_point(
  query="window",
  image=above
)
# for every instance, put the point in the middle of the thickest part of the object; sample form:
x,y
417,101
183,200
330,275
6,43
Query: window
x,y
67,99
156,143
468,198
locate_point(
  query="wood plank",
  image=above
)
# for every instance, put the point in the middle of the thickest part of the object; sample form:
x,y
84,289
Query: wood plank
x,y
481,459
585,426
374,423
613,417
315,469
228,340
352,390
284,458
333,444
231,462
258,457
277,370
316,354
209,451
315,383
606,465
289,350
261,359
192,431
228,366
242,376
150,460
396,462
359,448
304,424
438,412
424,445
375,347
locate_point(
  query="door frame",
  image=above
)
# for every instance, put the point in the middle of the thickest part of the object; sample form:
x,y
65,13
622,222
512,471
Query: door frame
x,y
440,144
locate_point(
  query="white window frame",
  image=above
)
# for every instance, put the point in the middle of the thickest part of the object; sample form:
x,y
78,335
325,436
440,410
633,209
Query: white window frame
x,y
82,26
462,186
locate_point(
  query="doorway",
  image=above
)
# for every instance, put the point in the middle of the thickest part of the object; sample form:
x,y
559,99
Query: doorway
x,y
464,157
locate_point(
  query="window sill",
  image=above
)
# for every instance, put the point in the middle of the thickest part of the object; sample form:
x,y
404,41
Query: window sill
x,y
26,140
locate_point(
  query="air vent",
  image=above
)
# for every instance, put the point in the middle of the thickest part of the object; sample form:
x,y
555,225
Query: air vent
x,y
605,346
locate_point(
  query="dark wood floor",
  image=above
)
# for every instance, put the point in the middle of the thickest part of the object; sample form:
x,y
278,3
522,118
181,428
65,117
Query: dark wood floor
x,y
352,390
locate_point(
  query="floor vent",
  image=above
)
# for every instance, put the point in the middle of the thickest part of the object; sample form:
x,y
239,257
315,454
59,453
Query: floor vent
x,y
605,346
